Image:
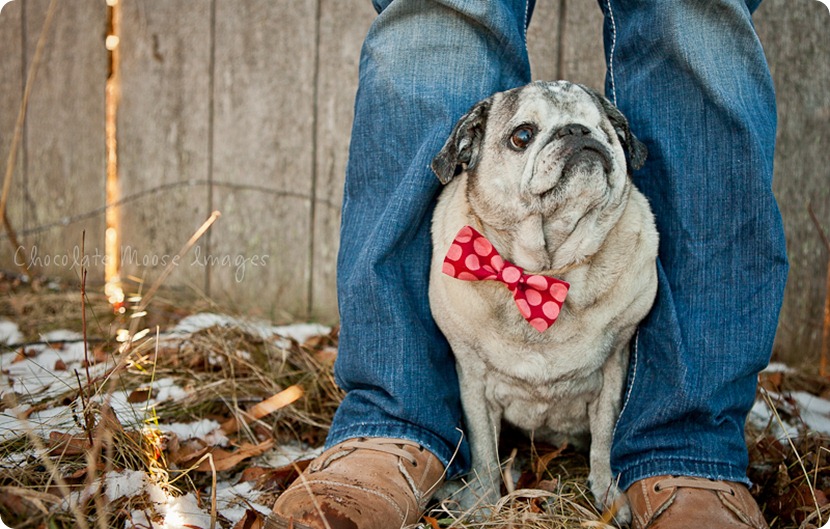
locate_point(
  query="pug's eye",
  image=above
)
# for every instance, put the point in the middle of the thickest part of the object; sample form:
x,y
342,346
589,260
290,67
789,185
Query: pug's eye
x,y
522,137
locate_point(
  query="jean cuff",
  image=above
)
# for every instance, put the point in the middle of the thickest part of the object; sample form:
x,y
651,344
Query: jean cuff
x,y
721,471
450,458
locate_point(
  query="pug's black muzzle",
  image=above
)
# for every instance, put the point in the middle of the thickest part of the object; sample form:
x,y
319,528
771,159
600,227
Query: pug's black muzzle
x,y
577,150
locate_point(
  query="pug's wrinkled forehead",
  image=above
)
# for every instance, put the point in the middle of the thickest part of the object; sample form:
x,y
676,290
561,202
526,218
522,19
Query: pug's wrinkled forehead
x,y
517,117
550,103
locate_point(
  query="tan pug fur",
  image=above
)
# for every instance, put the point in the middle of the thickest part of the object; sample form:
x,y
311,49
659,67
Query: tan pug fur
x,y
564,206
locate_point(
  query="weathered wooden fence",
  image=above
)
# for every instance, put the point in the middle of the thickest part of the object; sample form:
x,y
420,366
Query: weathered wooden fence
x,y
244,106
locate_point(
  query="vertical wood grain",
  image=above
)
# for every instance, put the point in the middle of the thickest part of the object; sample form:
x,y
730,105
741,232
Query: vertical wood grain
x,y
263,142
65,157
163,141
11,95
543,40
797,44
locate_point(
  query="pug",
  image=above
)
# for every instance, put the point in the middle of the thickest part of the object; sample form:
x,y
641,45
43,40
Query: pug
x,y
543,265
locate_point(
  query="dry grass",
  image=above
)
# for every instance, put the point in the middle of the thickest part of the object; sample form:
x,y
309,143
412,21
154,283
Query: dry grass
x,y
227,370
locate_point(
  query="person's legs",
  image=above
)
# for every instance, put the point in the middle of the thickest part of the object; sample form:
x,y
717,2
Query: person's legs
x,y
692,78
423,64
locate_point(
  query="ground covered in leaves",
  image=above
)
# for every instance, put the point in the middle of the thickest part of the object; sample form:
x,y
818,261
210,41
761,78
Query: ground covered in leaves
x,y
166,418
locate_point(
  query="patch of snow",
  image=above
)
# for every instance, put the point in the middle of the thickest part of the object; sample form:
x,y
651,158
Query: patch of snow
x,y
206,429
13,460
138,519
815,411
761,417
125,484
60,335
168,390
48,372
10,332
10,425
299,332
59,418
129,414
778,367
184,513
286,454
205,320
233,500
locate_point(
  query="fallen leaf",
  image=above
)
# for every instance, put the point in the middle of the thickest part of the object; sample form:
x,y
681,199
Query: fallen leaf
x,y
187,453
250,520
140,395
68,445
542,463
432,522
548,485
225,460
267,406
26,502
326,356
274,478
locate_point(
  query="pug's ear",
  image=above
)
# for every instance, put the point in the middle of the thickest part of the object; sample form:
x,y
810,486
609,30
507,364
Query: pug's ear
x,y
636,150
461,151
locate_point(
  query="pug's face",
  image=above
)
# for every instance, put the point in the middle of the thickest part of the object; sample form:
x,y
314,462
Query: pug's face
x,y
545,171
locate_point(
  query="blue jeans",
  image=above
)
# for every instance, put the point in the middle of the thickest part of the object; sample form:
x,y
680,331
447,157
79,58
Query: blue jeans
x,y
692,78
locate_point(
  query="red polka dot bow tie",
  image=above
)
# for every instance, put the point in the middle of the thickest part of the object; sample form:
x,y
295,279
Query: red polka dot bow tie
x,y
473,258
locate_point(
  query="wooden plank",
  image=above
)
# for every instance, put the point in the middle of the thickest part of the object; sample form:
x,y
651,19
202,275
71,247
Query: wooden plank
x,y
543,41
163,136
583,58
795,38
343,26
11,94
262,155
65,160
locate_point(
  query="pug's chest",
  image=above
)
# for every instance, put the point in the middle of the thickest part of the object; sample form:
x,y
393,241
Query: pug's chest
x,y
559,407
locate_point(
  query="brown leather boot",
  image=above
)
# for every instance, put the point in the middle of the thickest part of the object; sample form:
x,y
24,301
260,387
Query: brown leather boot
x,y
669,502
375,483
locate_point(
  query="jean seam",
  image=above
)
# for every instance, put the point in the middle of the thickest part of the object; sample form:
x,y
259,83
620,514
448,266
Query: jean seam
x,y
630,389
612,51
527,9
